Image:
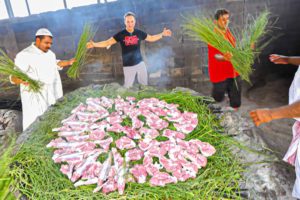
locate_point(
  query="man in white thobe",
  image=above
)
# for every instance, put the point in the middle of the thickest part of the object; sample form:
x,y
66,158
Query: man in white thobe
x,y
291,111
39,63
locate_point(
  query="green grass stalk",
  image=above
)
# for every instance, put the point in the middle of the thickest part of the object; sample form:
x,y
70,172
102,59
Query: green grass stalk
x,y
81,52
8,68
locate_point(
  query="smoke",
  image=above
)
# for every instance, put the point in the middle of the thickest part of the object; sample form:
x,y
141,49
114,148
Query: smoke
x,y
159,59
158,64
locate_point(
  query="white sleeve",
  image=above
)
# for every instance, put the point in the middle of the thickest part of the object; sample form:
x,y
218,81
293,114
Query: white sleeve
x,y
57,61
294,91
297,95
58,67
295,88
21,61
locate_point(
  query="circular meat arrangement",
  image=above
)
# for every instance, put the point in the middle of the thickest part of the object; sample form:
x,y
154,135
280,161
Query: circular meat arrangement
x,y
108,142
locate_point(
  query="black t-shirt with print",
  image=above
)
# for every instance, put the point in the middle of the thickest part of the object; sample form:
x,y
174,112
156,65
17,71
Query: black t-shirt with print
x,y
131,43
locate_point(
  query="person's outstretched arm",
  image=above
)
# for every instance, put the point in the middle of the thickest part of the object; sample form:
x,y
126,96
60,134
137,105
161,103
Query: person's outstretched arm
x,y
154,38
280,59
66,63
261,116
102,44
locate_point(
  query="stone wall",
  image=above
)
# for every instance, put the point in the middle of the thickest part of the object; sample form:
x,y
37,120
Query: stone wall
x,y
173,61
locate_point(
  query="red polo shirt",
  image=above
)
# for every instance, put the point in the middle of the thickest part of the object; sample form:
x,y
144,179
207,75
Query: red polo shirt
x,y
220,70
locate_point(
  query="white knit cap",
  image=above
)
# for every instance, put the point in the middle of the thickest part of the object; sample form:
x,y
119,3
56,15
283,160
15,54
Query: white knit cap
x,y
43,31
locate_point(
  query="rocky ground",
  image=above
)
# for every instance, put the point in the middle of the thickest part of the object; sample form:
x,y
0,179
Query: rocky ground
x,y
266,175
10,125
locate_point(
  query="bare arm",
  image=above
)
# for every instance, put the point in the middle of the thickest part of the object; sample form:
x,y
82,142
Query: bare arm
x,y
154,38
102,44
295,60
66,63
266,115
280,59
289,111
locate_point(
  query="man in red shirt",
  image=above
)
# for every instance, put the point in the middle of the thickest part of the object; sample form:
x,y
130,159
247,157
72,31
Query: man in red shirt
x,y
222,74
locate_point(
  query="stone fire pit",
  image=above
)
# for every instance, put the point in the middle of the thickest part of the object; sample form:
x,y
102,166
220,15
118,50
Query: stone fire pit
x,y
264,175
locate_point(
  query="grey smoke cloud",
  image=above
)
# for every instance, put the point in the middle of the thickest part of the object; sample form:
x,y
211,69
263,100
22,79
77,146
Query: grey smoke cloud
x,y
159,62
160,59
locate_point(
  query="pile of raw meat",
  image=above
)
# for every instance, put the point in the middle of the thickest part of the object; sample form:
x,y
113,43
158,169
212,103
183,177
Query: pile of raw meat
x,y
138,141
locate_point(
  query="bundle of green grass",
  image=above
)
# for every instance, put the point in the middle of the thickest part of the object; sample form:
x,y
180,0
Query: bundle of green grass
x,y
8,68
203,28
81,52
33,173
5,161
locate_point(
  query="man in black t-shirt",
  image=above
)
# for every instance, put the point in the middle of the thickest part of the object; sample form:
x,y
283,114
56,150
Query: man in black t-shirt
x,y
130,39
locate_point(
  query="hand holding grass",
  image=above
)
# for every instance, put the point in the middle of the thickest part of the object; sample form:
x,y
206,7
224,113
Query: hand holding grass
x,y
66,63
90,44
227,56
9,69
71,61
18,81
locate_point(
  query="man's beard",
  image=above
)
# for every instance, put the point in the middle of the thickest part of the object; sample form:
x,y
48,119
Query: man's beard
x,y
46,50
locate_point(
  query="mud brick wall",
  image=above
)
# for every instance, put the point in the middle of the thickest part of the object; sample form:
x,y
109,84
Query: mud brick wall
x,y
176,61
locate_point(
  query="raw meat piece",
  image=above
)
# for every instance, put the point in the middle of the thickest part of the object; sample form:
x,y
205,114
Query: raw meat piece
x,y
149,133
174,134
86,182
104,172
118,159
134,154
125,143
77,138
81,107
97,134
161,179
139,172
104,143
118,128
78,173
207,149
121,179
131,132
185,128
67,170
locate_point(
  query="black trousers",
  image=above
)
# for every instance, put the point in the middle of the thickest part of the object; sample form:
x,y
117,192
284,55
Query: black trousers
x,y
233,87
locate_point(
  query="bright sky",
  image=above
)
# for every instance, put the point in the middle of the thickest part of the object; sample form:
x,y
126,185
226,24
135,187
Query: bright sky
x,y
36,7
76,3
3,12
19,8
